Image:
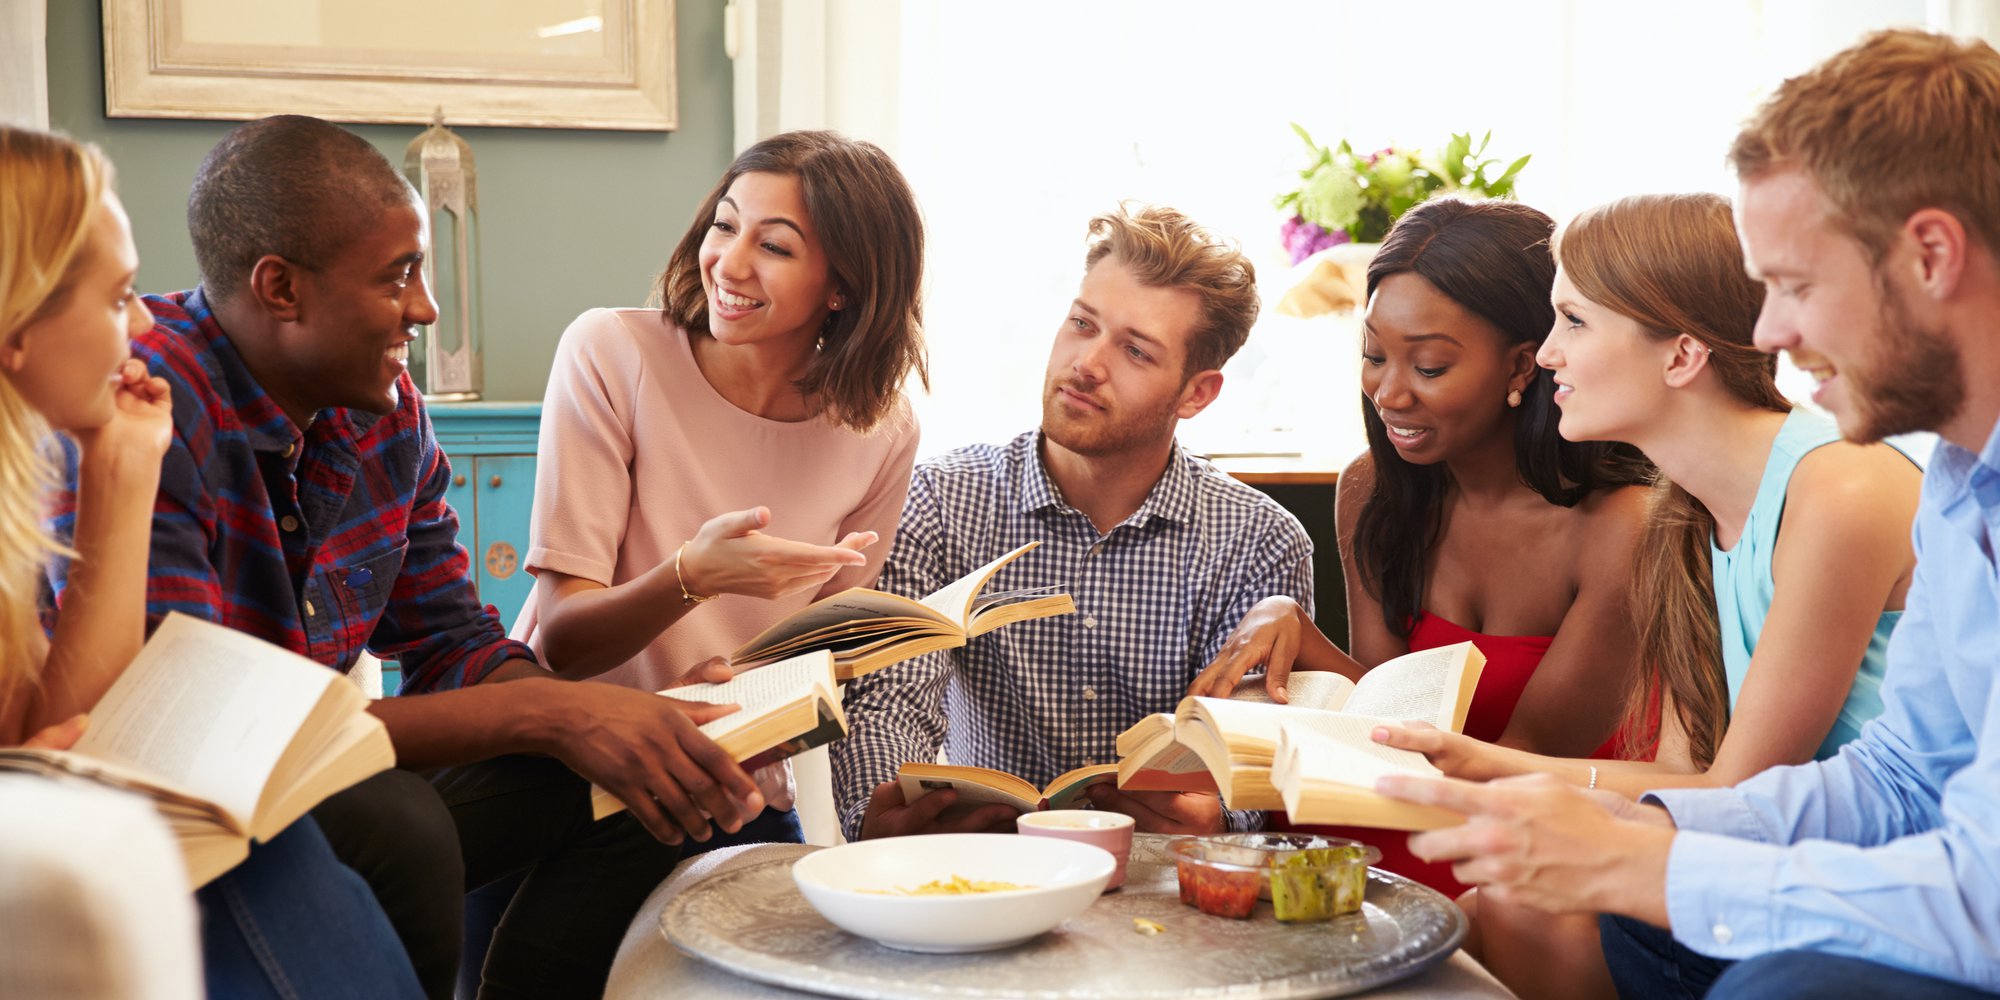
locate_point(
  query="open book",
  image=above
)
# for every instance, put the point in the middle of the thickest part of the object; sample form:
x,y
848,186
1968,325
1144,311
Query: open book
x,y
787,708
978,786
1228,745
867,630
231,737
1325,771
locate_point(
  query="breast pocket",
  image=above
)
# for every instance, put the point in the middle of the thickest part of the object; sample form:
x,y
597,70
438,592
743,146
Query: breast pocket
x,y
363,588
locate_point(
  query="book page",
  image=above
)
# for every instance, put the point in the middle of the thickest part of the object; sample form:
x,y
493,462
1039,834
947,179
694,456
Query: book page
x,y
1245,724
207,708
1337,749
765,687
954,600
976,786
1418,685
852,605
1321,689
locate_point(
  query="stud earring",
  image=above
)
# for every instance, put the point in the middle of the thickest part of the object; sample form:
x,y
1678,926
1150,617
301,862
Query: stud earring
x,y
1513,397
833,305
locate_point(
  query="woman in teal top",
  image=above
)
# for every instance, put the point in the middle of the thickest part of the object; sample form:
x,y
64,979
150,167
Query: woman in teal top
x,y
1744,588
1652,347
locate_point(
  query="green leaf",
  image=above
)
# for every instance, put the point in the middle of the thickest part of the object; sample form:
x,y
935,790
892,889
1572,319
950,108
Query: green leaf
x,y
1454,158
1512,169
1300,131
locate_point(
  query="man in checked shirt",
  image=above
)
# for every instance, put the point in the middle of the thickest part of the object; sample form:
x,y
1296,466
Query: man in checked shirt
x,y
1162,553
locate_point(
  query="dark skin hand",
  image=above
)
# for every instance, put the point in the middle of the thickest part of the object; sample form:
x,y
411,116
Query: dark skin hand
x,y
1162,812
934,812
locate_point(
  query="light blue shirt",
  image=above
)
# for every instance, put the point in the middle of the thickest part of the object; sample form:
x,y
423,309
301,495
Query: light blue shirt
x,y
1889,851
1744,588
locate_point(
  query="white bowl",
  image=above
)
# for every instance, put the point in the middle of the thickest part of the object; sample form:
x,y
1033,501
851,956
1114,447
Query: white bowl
x,y
854,886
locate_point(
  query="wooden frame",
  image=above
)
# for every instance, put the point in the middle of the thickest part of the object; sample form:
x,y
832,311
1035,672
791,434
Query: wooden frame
x,y
619,75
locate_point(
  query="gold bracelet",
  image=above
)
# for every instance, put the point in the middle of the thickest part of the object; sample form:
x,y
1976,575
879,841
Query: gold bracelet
x,y
687,597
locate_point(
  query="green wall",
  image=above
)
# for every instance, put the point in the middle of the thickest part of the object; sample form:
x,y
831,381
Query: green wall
x,y
568,219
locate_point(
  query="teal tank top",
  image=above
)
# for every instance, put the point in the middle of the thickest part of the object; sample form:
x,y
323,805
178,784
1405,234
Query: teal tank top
x,y
1743,582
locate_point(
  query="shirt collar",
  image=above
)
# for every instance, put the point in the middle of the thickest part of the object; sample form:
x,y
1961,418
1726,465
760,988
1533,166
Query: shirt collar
x,y
1965,486
1171,498
265,424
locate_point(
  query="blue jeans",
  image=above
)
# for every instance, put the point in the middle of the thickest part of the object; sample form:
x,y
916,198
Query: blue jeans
x,y
293,923
1648,964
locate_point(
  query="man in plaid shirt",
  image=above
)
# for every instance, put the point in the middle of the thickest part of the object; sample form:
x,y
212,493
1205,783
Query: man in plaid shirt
x,y
302,501
1162,553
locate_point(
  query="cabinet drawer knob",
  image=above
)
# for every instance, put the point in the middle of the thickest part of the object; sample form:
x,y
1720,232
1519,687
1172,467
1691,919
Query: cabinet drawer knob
x,y
494,482
458,480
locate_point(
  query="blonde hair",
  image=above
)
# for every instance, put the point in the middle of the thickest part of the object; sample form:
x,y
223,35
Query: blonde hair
x,y
1672,264
1168,250
50,189
1903,120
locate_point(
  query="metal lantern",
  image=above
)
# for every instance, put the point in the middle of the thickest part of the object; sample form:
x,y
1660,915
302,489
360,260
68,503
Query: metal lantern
x,y
439,163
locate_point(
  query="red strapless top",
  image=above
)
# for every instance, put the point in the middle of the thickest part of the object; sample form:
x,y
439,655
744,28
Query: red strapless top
x,y
1510,661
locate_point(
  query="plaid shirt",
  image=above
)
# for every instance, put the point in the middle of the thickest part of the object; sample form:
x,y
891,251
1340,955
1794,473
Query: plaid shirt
x,y
323,542
1155,598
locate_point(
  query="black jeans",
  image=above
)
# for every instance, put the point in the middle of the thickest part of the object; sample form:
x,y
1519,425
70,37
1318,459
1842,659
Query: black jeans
x,y
488,904
1646,962
396,833
581,882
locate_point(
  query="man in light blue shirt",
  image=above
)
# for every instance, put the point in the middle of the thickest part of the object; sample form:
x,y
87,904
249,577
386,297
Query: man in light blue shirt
x,y
1870,208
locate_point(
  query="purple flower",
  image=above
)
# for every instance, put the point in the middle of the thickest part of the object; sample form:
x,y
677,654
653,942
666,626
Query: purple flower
x,y
1302,239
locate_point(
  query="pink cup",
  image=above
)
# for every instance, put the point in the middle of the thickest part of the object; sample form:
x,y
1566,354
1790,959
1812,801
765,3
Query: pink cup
x,y
1109,830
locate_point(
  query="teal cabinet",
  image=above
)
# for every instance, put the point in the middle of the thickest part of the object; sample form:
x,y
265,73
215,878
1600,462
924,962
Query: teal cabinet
x,y
491,448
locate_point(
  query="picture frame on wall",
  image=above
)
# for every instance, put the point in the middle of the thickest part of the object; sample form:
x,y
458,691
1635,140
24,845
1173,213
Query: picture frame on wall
x,y
584,64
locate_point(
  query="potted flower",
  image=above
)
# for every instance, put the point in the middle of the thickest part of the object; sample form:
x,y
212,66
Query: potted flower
x,y
1348,197
1348,201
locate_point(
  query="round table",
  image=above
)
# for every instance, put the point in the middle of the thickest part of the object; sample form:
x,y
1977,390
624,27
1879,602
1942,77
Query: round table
x,y
649,966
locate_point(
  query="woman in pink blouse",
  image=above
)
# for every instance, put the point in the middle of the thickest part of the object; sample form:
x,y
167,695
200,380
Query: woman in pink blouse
x,y
708,468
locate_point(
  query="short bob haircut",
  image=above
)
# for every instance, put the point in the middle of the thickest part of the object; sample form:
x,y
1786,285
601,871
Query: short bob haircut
x,y
868,223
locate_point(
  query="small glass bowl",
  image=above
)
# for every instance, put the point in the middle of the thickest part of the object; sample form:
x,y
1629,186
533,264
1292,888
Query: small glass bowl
x,y
1217,878
1305,877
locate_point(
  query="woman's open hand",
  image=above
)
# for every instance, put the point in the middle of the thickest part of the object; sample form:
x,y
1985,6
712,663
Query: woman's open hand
x,y
732,555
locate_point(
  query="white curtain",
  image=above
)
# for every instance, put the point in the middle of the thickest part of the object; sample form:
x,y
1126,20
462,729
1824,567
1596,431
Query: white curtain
x,y
24,85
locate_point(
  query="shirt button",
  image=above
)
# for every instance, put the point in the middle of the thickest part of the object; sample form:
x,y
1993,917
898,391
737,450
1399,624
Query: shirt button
x,y
289,523
1723,935
309,609
1095,549
1089,621
1089,694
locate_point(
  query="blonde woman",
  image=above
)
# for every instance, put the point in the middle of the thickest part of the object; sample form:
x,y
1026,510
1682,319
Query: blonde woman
x,y
289,922
1763,639
67,309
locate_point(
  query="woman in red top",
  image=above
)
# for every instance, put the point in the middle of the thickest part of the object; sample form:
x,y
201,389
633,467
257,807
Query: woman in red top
x,y
1470,517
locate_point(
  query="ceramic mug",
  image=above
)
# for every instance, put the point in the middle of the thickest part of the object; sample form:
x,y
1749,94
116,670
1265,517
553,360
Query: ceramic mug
x,y
1108,830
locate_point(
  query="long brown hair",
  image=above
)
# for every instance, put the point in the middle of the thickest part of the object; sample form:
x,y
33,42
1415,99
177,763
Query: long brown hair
x,y
1671,263
1491,257
867,221
50,190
